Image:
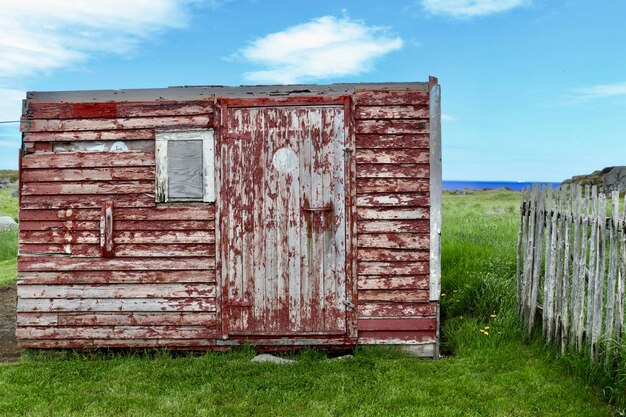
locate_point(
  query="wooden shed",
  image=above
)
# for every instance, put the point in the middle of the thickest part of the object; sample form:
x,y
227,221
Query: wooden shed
x,y
207,217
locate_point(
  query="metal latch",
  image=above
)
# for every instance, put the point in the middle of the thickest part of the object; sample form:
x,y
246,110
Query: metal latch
x,y
349,305
327,207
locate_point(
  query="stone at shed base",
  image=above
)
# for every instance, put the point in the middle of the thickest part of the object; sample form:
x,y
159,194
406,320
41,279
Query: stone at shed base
x,y
338,358
420,351
264,357
7,223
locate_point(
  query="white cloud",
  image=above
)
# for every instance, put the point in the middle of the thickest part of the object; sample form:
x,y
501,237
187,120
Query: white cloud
x,y
448,117
11,103
469,8
601,91
42,35
322,48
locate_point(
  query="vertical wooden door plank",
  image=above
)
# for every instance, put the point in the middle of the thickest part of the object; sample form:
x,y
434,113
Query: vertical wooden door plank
x,y
338,178
259,232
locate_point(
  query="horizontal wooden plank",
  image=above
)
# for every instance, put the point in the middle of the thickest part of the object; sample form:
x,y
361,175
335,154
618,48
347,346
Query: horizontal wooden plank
x,y
102,146
393,240
392,156
384,141
86,187
65,125
94,250
88,135
88,160
408,324
393,200
391,185
392,268
119,237
36,147
117,291
188,212
116,277
391,97
84,201
115,332
119,225
392,170
88,174
187,344
398,296
392,126
116,319
392,112
65,263
59,224
390,282
397,337
393,226
382,309
116,305
117,109
398,255
392,213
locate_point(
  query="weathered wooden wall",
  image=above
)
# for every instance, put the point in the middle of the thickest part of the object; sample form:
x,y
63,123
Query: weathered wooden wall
x,y
392,186
160,288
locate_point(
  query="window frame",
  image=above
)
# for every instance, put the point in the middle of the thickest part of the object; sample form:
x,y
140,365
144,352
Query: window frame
x,y
161,188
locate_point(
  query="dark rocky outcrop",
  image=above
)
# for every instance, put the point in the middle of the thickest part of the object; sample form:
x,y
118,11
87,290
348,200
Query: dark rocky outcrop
x,y
7,183
607,180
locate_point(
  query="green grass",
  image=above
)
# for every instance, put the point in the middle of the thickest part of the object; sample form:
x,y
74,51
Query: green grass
x,y
8,239
494,374
378,382
8,204
11,174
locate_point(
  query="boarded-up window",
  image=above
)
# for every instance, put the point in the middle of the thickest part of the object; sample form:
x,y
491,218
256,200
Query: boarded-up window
x,y
185,166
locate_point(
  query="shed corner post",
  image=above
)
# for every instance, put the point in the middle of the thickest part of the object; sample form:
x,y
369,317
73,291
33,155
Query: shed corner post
x,y
435,199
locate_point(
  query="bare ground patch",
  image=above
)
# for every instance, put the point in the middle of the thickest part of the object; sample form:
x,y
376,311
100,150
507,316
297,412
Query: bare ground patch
x,y
8,344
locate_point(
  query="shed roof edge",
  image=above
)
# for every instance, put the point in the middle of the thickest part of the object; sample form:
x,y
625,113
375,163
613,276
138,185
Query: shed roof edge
x,y
206,92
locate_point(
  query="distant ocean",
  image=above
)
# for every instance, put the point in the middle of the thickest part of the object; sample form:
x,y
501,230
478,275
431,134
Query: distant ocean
x,y
515,185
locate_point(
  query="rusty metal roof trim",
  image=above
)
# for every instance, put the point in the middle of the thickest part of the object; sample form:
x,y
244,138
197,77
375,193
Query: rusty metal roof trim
x,y
183,93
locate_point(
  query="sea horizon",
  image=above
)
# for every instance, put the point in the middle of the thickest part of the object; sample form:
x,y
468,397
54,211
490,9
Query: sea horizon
x,y
453,185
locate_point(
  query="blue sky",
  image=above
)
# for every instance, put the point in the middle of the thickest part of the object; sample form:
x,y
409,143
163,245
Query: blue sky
x,y
532,90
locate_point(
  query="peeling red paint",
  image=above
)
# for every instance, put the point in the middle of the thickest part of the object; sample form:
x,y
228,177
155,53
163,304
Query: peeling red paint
x,y
199,252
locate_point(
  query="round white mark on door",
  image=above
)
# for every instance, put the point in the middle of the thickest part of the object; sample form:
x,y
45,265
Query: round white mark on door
x,y
285,160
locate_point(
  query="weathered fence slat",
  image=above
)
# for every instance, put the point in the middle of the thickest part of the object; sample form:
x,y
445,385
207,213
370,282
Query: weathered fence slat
x,y
537,259
572,258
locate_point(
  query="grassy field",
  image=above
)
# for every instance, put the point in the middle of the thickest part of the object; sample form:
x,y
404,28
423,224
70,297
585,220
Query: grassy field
x,y
492,371
8,239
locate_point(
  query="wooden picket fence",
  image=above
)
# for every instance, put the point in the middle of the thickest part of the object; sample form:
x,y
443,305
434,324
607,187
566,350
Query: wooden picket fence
x,y
571,266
